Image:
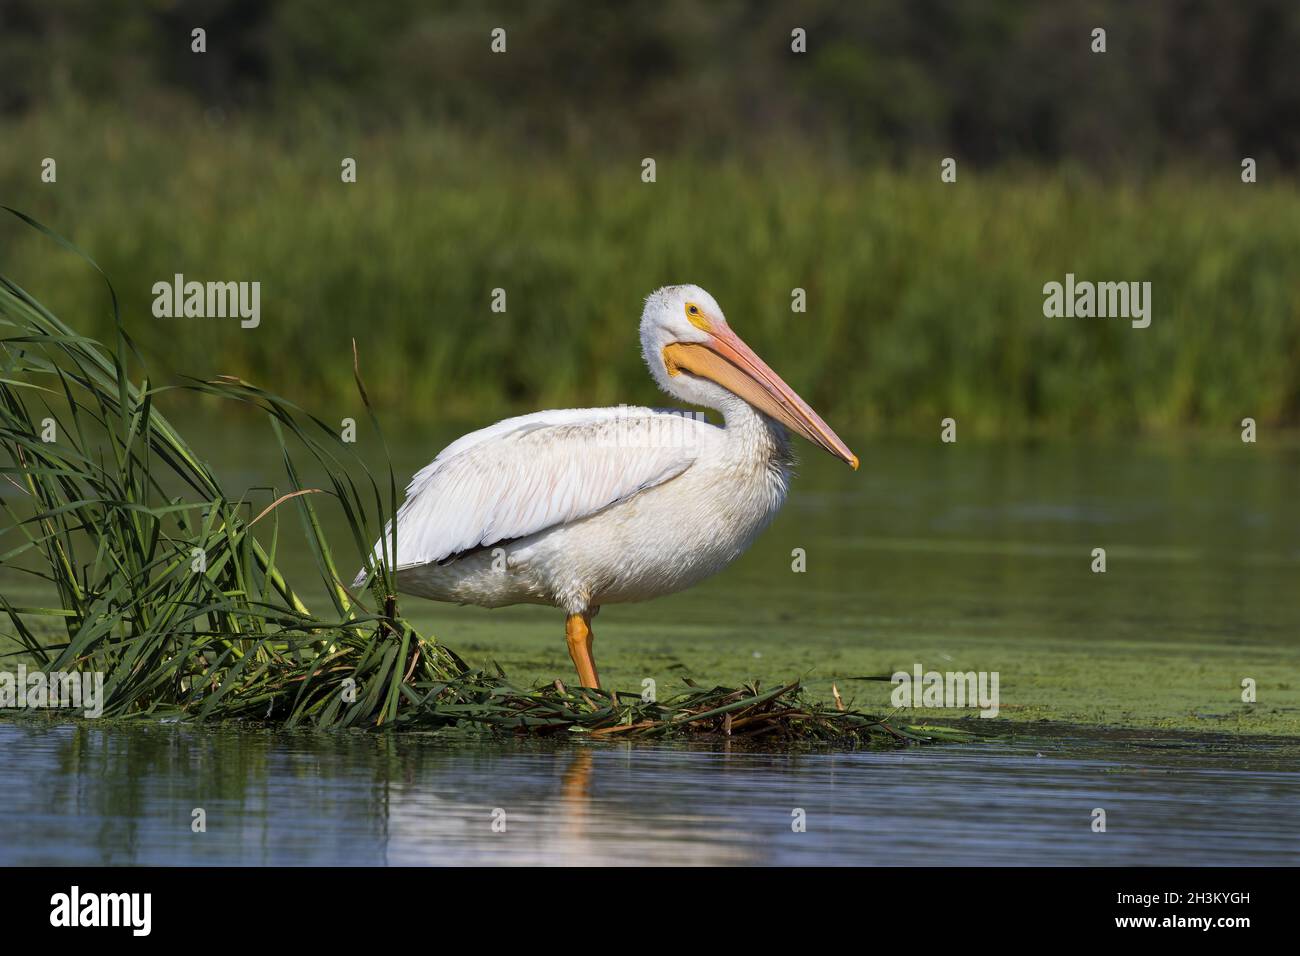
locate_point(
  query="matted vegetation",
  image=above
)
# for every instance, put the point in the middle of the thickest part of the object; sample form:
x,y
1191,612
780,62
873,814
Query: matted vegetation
x,y
171,587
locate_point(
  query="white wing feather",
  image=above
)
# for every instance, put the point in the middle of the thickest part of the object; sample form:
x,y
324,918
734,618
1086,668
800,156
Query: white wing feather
x,y
523,475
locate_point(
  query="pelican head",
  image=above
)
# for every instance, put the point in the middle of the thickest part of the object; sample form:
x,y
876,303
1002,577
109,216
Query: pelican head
x,y
695,356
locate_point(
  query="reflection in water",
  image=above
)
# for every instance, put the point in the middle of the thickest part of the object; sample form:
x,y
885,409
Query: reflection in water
x,y
564,821
85,794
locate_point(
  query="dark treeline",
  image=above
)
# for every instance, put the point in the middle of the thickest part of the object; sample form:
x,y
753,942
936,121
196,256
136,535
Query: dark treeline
x,y
1182,81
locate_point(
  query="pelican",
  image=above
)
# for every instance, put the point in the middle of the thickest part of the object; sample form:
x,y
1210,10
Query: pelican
x,y
582,507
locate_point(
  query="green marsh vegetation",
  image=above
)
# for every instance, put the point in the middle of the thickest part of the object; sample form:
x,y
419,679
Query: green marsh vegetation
x,y
775,170
924,299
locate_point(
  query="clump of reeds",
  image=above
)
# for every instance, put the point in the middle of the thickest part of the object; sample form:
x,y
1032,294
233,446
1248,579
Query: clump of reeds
x,y
172,589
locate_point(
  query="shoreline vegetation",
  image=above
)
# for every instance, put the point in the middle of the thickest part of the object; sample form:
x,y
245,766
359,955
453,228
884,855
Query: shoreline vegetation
x,y
924,299
172,591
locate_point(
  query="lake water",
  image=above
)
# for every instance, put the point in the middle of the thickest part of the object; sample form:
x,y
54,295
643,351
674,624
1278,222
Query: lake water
x,y
954,557
86,795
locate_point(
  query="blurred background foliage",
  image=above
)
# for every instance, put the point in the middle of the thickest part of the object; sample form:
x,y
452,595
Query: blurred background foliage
x,y
775,171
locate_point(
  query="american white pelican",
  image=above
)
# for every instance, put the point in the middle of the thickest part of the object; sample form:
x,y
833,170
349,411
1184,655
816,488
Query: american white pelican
x,y
583,507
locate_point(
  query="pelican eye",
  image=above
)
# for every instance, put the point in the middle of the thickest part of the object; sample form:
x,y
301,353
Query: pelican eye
x,y
695,315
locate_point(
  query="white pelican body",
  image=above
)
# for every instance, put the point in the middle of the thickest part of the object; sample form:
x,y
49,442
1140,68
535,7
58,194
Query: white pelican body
x,y
578,508
666,526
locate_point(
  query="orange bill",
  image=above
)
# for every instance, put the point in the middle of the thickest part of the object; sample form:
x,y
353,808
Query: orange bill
x,y
728,361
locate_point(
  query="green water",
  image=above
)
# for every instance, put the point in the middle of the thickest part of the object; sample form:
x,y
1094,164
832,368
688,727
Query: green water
x,y
962,557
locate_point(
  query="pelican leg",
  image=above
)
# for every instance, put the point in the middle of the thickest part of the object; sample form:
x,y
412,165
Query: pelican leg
x,y
578,635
